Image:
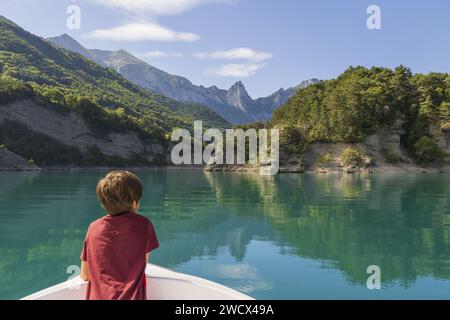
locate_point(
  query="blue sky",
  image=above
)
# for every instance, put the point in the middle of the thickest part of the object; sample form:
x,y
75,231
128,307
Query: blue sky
x,y
267,44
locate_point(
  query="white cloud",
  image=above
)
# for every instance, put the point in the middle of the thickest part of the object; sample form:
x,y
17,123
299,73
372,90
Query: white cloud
x,y
143,32
243,70
236,54
149,10
157,7
160,54
242,277
238,271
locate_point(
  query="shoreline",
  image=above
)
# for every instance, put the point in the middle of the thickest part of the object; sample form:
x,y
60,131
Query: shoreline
x,y
103,168
409,169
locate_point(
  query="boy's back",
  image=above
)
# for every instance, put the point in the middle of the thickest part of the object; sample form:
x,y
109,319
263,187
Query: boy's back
x,y
115,249
114,255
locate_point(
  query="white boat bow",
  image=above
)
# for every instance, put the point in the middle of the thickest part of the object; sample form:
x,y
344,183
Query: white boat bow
x,y
162,284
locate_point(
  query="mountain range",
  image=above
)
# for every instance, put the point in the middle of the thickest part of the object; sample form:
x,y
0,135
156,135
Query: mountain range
x,y
234,105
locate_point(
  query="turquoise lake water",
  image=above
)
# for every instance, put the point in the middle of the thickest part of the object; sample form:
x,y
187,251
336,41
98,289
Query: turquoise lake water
x,y
283,237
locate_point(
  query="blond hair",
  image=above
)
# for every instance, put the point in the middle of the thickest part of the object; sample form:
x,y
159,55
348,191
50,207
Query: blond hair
x,y
119,191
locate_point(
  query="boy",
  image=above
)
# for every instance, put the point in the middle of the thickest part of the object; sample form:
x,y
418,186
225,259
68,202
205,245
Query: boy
x,y
117,246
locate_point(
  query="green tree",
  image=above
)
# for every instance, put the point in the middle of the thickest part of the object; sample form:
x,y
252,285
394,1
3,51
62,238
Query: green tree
x,y
427,151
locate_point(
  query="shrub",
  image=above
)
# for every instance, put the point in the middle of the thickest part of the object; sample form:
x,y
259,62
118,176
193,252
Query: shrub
x,y
353,157
426,151
2,146
446,126
292,140
392,158
325,160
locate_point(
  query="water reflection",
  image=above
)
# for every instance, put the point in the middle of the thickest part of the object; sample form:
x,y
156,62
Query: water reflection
x,y
399,223
274,237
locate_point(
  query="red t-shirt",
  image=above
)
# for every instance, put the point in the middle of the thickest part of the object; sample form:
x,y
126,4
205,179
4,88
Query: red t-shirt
x,y
115,249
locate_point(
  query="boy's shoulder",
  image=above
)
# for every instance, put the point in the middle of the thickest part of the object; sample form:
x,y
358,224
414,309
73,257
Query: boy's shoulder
x,y
133,216
141,218
95,224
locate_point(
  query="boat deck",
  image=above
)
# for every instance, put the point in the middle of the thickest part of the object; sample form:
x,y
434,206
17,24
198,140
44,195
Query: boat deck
x,y
162,284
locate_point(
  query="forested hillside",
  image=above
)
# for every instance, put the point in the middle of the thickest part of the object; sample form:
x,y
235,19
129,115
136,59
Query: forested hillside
x,y
65,77
361,101
32,68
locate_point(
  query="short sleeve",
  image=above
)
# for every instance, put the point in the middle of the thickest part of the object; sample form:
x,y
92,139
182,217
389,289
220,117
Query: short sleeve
x,y
84,253
152,240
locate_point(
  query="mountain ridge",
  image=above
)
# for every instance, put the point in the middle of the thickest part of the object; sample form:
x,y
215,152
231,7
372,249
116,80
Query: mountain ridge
x,y
234,105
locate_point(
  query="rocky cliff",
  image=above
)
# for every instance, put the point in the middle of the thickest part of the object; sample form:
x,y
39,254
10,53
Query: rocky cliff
x,y
442,136
380,152
72,134
10,161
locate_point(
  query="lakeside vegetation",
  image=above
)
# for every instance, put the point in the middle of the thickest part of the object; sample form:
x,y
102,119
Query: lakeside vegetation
x,y
360,102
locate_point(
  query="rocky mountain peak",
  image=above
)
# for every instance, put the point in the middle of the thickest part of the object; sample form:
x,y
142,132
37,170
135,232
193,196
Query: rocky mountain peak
x,y
67,42
238,87
65,36
238,96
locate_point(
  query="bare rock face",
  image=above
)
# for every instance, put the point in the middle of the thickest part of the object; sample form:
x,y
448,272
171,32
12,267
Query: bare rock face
x,y
12,162
442,136
386,140
445,142
291,164
376,152
71,129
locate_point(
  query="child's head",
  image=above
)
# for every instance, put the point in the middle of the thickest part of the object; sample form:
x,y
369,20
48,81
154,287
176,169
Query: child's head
x,y
119,192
